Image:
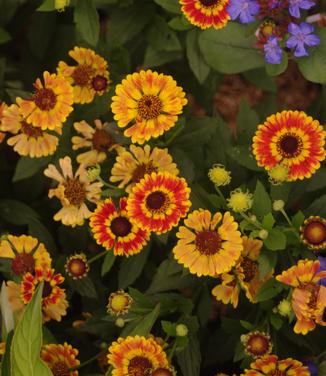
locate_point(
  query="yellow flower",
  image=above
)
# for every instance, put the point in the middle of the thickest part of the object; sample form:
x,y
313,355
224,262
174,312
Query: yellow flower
x,y
278,174
240,201
60,5
284,308
2,348
28,140
219,175
148,103
119,303
3,106
98,139
60,359
89,78
133,164
73,191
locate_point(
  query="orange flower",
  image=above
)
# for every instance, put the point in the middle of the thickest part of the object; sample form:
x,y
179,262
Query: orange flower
x,y
60,359
3,107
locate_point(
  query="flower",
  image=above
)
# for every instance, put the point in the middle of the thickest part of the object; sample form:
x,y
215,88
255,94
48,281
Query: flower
x,y
244,9
284,308
206,13
26,253
313,233
28,140
54,302
240,201
76,266
263,234
296,5
51,103
273,51
73,191
293,139
132,165
136,356
278,205
2,348
60,359
219,175
256,344
164,372
113,227
119,303
98,139
158,201
322,267
308,297
278,174
60,5
181,330
208,244
89,77
270,365
3,106
149,103
301,35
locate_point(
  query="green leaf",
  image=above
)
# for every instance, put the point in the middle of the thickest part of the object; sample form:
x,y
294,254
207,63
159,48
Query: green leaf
x,y
268,221
268,290
313,67
4,36
161,37
154,58
318,207
16,212
189,359
317,181
84,287
107,263
276,320
169,328
27,167
297,220
5,364
47,6
180,24
276,240
262,204
195,59
172,6
27,341
131,268
87,21
243,156
224,49
276,69
322,368
247,121
267,261
259,78
144,326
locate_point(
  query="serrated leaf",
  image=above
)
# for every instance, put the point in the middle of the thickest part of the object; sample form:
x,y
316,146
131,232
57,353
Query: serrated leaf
x,y
268,290
267,261
87,21
268,221
145,324
27,167
243,156
262,204
107,263
276,240
169,328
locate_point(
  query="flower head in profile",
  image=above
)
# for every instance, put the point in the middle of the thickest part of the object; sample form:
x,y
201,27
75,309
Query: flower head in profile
x,y
132,165
313,233
292,138
50,104
206,13
147,104
26,253
73,191
60,359
273,51
245,10
98,139
296,5
28,140
208,244
301,36
89,77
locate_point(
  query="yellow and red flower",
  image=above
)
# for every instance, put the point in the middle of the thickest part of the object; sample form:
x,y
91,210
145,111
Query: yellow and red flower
x,y
98,139
51,103
206,13
89,77
136,356
26,252
28,140
60,359
76,266
73,191
208,244
313,233
308,297
133,164
119,303
256,344
113,227
270,365
158,201
3,106
293,139
149,103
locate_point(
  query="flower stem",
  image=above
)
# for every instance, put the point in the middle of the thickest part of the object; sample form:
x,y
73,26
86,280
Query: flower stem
x,y
289,221
255,223
96,257
172,351
221,195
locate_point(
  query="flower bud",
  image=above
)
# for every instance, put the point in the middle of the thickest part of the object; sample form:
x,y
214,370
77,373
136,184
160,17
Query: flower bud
x,y
219,175
278,205
60,5
119,322
181,330
263,234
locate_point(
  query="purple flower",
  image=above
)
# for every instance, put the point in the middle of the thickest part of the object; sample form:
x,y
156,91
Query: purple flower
x,y
312,367
244,9
273,52
301,35
272,4
322,268
295,5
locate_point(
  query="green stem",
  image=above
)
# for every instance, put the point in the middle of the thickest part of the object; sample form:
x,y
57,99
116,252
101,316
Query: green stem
x,y
96,257
289,221
170,357
221,195
254,223
88,361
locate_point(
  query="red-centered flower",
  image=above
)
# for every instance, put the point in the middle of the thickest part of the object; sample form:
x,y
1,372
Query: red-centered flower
x,y
293,139
256,344
113,228
313,233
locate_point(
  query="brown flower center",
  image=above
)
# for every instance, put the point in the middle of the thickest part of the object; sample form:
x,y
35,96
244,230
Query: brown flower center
x,y
290,146
208,3
45,99
149,107
60,369
75,191
208,242
250,269
82,74
315,232
139,366
102,140
162,372
314,297
157,201
31,131
99,83
23,263
258,345
77,267
47,289
120,226
141,170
